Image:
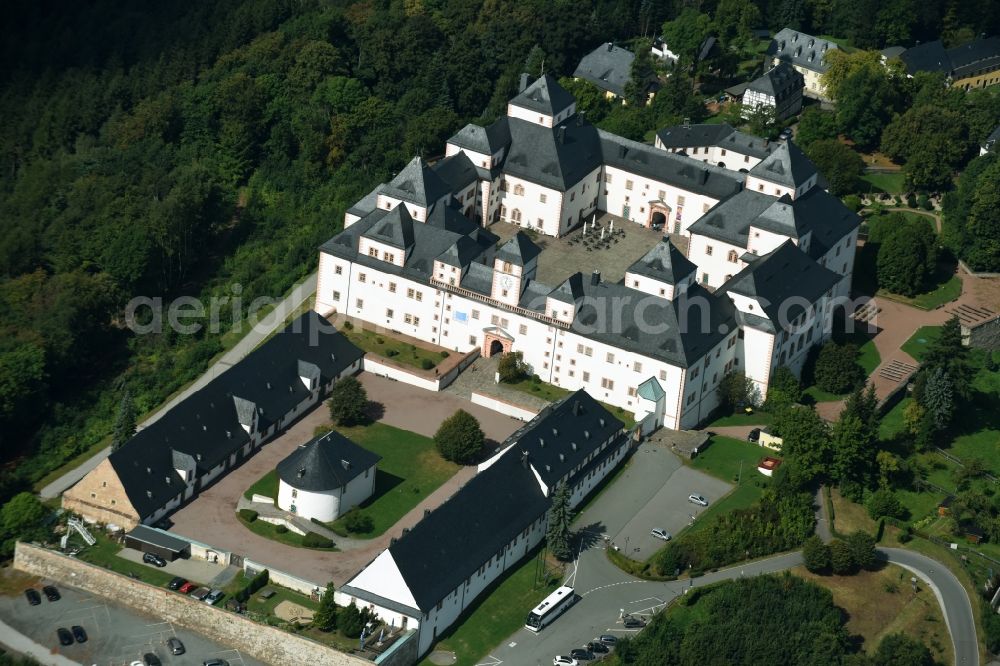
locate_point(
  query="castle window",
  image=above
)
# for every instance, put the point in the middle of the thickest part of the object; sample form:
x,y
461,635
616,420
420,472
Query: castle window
x,y
519,189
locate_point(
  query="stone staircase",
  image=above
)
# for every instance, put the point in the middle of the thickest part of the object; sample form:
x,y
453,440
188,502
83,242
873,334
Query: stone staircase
x,y
970,315
896,370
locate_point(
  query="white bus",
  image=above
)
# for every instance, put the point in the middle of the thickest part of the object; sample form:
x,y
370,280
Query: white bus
x,y
552,607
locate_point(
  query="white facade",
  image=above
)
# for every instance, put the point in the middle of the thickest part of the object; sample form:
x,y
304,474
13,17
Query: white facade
x,y
328,505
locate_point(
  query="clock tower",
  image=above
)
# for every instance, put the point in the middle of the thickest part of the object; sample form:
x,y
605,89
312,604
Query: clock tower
x,y
514,266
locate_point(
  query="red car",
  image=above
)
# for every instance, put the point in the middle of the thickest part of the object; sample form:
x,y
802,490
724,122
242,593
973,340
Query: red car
x,y
186,588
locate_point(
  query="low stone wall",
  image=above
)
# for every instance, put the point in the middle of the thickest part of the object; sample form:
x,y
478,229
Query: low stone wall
x,y
283,579
292,527
504,407
266,643
385,368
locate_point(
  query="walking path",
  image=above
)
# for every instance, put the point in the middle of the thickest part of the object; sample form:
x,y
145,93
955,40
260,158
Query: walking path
x,y
18,642
248,343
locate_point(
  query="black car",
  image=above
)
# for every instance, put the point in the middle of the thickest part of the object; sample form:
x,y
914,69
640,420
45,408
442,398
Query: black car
x,y
155,560
754,435
33,597
597,647
176,582
51,593
79,634
581,654
634,623
150,659
215,662
65,638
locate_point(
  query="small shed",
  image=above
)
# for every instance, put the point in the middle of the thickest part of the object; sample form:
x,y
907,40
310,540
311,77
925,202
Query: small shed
x,y
767,465
972,532
151,540
687,443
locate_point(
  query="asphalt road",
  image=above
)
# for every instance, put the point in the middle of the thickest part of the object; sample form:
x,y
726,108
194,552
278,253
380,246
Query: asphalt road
x,y
606,592
117,635
249,342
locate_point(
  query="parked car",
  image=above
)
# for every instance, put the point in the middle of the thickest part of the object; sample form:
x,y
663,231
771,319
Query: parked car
x,y
660,533
79,634
154,559
562,660
634,623
175,646
187,587
597,647
65,638
213,597
32,596
697,499
51,593
215,662
754,435
608,639
200,593
176,582
785,134
581,654
150,659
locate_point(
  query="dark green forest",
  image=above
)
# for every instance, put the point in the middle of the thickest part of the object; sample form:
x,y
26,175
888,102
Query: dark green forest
x,y
170,148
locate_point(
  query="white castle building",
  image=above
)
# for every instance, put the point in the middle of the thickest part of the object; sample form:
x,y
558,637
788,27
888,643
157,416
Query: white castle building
x,y
770,251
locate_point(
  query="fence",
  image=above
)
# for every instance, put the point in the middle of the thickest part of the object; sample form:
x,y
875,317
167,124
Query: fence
x,y
958,461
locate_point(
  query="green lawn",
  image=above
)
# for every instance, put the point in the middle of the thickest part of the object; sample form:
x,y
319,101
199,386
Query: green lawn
x,y
890,183
496,616
269,531
104,553
918,342
758,418
266,485
948,289
552,393
725,457
410,470
745,495
819,395
388,347
892,423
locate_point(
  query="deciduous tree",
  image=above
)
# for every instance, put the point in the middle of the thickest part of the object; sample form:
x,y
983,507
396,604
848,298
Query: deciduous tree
x,y
459,438
348,402
816,554
839,164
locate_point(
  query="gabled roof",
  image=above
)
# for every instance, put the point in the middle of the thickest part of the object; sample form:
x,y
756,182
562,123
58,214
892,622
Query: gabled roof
x,y
462,253
326,462
519,250
992,139
417,183
205,428
778,82
783,217
608,67
722,135
457,172
487,140
978,56
451,543
395,228
571,289
786,165
730,220
545,96
783,274
800,49
564,435
927,57
664,262
556,157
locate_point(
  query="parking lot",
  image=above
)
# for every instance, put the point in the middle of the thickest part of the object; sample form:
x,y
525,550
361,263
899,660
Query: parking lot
x,y
117,635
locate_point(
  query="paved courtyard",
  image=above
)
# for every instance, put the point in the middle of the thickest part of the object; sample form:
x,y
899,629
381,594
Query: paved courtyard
x,y
211,517
117,635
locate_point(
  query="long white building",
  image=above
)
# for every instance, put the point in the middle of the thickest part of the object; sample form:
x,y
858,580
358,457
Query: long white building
x,y
415,258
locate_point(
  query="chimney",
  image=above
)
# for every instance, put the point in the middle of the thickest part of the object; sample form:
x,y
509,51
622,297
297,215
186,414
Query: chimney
x,y
561,134
524,82
406,530
392,541
595,278
541,442
427,512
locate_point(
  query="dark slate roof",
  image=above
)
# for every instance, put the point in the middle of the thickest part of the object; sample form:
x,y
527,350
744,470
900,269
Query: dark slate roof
x,y
451,543
992,139
487,140
395,229
556,157
519,250
779,82
722,135
478,278
155,537
730,220
891,52
366,204
545,95
608,67
457,172
664,262
444,227
927,57
678,331
462,253
205,428
326,462
416,183
828,219
782,274
976,57
786,165
706,47
801,49
563,435
675,169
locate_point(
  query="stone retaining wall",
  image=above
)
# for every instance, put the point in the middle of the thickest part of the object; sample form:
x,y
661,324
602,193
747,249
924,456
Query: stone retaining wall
x,y
268,644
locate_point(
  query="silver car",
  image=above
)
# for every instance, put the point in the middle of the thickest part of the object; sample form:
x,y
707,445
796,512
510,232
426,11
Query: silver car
x,y
660,534
213,597
697,499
